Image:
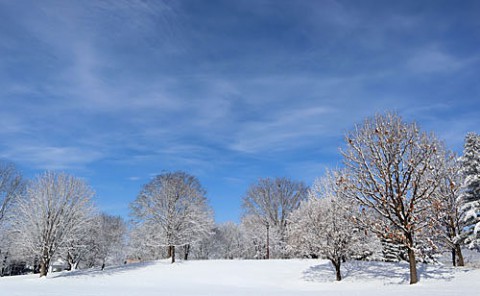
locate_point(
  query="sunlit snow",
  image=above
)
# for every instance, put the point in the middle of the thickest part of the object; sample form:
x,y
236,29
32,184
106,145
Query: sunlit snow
x,y
249,277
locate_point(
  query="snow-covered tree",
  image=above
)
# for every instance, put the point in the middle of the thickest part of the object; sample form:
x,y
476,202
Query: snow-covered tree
x,y
392,250
109,240
227,242
81,247
6,250
102,243
56,209
324,225
257,237
394,170
11,187
470,192
143,243
172,211
266,206
230,241
446,210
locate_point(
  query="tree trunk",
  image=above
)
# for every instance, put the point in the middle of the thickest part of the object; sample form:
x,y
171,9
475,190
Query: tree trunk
x,y
186,251
36,265
69,261
4,263
413,266
337,263
268,242
458,251
45,263
454,259
173,253
411,258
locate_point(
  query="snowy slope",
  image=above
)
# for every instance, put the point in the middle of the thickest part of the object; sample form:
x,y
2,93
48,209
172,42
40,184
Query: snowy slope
x,y
248,277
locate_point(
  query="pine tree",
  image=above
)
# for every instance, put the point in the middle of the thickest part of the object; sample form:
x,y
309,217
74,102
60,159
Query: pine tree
x,y
470,195
392,250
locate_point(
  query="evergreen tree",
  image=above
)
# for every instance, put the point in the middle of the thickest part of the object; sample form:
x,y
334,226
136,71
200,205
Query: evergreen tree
x,y
470,195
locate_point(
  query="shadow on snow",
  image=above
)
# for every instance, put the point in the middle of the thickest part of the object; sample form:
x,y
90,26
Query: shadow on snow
x,y
389,273
110,270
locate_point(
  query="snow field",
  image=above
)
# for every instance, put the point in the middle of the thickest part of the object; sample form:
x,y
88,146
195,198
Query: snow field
x,y
248,277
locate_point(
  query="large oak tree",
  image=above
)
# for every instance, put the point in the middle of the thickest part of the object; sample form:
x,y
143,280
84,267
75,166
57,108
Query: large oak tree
x,y
394,170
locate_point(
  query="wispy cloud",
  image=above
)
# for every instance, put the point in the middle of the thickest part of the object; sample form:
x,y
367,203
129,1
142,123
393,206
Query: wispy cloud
x,y
80,94
285,130
51,157
434,60
229,91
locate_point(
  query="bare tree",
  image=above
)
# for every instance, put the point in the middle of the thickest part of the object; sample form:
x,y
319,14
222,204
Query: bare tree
x,y
446,209
256,235
112,239
268,203
102,242
172,210
56,209
230,241
394,170
11,187
324,224
226,242
144,242
81,246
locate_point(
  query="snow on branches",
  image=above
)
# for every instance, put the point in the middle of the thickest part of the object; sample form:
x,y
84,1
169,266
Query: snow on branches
x,y
394,171
171,211
324,226
470,192
266,206
56,210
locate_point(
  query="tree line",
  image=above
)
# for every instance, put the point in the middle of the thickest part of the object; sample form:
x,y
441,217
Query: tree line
x,y
399,194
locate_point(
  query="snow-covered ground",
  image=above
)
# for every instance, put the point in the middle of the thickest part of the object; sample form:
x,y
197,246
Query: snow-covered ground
x,y
248,277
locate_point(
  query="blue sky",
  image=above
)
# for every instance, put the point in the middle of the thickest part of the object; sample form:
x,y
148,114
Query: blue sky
x,y
118,91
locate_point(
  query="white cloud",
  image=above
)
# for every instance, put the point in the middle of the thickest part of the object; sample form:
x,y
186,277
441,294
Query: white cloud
x,y
99,97
51,157
433,60
285,130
